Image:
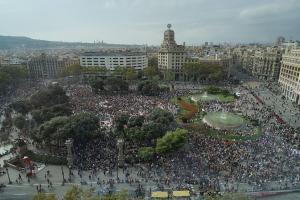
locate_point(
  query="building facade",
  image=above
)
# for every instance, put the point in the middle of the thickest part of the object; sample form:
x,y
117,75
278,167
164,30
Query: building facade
x,y
289,78
111,60
171,57
266,64
47,67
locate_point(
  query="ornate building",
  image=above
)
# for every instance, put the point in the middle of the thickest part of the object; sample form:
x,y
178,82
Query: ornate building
x,y
289,78
171,57
266,64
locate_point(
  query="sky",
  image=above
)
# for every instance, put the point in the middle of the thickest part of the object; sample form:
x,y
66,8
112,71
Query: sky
x,y
144,21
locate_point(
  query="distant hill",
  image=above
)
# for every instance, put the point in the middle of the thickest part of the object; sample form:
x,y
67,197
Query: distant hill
x,y
14,42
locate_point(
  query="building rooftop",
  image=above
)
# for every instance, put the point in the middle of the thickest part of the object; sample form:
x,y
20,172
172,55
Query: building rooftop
x,y
113,53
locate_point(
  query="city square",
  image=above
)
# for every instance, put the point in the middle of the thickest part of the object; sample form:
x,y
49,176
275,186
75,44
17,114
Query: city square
x,y
211,114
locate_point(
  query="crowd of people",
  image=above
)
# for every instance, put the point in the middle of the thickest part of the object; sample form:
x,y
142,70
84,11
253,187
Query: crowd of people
x,y
269,158
83,99
205,161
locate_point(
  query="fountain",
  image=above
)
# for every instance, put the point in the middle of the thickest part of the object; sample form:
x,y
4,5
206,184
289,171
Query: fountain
x,y
204,97
4,149
223,120
223,115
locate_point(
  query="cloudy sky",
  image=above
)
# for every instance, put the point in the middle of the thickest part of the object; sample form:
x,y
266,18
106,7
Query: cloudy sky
x,y
143,21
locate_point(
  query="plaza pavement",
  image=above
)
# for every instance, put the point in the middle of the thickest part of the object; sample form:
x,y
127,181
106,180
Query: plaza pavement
x,y
282,107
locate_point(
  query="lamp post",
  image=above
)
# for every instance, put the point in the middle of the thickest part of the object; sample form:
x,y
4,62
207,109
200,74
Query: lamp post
x,y
9,181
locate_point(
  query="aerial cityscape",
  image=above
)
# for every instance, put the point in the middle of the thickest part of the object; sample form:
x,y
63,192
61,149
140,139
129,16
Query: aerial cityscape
x,y
136,99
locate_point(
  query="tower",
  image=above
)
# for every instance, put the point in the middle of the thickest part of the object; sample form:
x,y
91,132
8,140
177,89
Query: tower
x,y
171,56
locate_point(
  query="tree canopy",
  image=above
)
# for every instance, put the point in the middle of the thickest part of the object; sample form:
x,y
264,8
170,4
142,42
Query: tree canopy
x,y
139,129
203,71
146,153
11,76
50,96
171,141
148,88
79,127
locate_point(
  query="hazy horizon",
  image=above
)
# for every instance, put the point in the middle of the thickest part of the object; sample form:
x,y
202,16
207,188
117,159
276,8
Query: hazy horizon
x,y
143,22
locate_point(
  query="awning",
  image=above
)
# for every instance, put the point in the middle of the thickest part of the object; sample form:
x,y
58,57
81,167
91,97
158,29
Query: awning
x,y
184,193
159,194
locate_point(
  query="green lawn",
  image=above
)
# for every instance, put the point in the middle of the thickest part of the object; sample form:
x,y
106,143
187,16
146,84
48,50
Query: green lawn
x,y
223,98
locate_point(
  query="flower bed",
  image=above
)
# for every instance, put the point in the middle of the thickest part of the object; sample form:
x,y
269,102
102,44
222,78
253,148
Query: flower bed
x,y
192,109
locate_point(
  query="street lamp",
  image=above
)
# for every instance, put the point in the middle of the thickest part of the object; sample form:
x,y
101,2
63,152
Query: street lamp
x,y
9,181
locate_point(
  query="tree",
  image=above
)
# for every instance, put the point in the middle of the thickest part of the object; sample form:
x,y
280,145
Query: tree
x,y
148,88
119,71
21,106
19,121
153,62
97,86
135,134
169,75
153,130
44,196
171,141
136,121
50,96
146,153
81,126
11,76
116,84
157,114
151,72
46,113
203,71
53,130
72,70
120,123
130,74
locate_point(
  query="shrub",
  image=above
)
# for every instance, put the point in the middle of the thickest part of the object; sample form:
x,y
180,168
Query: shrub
x,y
172,141
146,153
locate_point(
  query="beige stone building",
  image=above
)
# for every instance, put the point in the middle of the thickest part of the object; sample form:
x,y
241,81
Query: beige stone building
x,y
171,57
266,64
289,78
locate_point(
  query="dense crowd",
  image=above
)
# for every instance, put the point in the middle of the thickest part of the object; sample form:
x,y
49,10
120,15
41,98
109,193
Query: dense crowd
x,y
205,161
83,99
